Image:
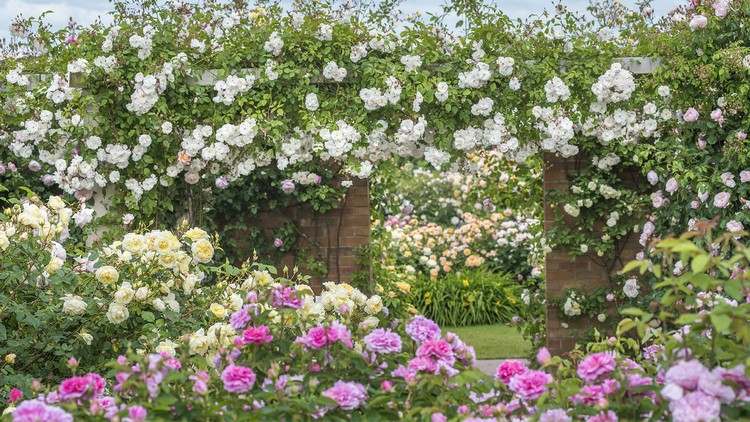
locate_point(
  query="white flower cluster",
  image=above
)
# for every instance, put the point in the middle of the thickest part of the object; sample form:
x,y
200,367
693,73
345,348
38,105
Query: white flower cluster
x,y
59,90
436,157
615,85
477,77
556,129
339,141
556,90
149,87
505,65
441,91
334,72
411,63
143,43
358,52
16,76
374,98
571,306
227,90
483,107
274,44
106,63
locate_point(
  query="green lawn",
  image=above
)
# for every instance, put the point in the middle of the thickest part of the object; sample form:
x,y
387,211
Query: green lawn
x,y
493,341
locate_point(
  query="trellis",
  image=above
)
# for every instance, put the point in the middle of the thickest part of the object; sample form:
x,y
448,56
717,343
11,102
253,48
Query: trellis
x,y
562,271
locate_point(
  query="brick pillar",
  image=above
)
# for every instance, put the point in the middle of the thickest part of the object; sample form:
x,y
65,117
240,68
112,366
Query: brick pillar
x,y
563,271
333,238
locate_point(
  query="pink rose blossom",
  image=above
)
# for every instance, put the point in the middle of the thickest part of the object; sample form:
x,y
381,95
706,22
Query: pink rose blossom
x,y
698,22
596,365
543,356
691,115
137,414
717,116
555,415
37,411
438,350
745,176
348,395
421,329
672,185
15,395
721,200
381,340
238,379
509,368
721,8
257,335
695,407
530,385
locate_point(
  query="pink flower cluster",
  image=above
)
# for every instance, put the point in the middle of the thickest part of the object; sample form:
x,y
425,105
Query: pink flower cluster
x,y
77,387
320,336
526,383
255,335
381,340
238,379
348,395
696,393
421,329
38,411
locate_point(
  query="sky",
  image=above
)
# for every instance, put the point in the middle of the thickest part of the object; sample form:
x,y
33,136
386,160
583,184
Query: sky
x,y
86,11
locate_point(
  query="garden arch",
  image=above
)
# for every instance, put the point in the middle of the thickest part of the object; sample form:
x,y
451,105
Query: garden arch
x,y
338,234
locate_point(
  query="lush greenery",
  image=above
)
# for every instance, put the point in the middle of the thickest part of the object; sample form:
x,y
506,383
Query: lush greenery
x,y
467,298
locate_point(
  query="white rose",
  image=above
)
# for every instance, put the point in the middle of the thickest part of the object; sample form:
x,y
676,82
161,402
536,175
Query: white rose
x,y
117,313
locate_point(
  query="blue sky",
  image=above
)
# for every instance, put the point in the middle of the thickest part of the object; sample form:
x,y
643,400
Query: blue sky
x,y
85,11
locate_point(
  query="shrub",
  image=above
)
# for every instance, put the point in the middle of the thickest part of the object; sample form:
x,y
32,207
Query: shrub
x,y
471,297
135,293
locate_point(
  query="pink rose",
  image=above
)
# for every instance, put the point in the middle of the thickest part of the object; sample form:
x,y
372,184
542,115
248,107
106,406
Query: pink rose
x,y
698,22
509,368
691,115
530,385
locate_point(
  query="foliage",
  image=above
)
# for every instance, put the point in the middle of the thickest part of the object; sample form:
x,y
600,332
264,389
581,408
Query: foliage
x,y
470,297
134,293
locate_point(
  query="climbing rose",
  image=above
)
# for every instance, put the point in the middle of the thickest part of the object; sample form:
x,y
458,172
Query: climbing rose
x,y
238,379
348,395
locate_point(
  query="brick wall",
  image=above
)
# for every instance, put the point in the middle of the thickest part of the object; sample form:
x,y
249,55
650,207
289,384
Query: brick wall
x,y
564,271
332,238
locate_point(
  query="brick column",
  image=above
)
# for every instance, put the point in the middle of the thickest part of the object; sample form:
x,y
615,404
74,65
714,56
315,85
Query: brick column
x,y
333,238
563,271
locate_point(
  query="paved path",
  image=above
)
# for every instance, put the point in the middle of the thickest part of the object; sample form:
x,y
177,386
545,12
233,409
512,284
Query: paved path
x,y
488,366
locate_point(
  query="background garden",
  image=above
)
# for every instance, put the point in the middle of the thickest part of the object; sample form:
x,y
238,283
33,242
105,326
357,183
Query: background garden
x,y
141,160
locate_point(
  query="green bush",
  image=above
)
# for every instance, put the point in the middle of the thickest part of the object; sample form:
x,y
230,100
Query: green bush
x,y
467,298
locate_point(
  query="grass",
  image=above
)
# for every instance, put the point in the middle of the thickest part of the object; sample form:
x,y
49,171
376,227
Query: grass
x,y
493,341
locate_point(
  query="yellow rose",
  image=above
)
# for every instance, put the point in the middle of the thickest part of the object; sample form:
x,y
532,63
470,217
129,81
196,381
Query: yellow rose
x,y
218,310
134,243
196,234
203,251
107,275
53,265
404,287
10,358
55,203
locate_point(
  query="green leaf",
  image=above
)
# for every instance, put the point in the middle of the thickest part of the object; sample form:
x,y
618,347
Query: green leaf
x,y
721,322
148,316
699,263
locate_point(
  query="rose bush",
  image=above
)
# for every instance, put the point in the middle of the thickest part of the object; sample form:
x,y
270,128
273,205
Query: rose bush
x,y
60,301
